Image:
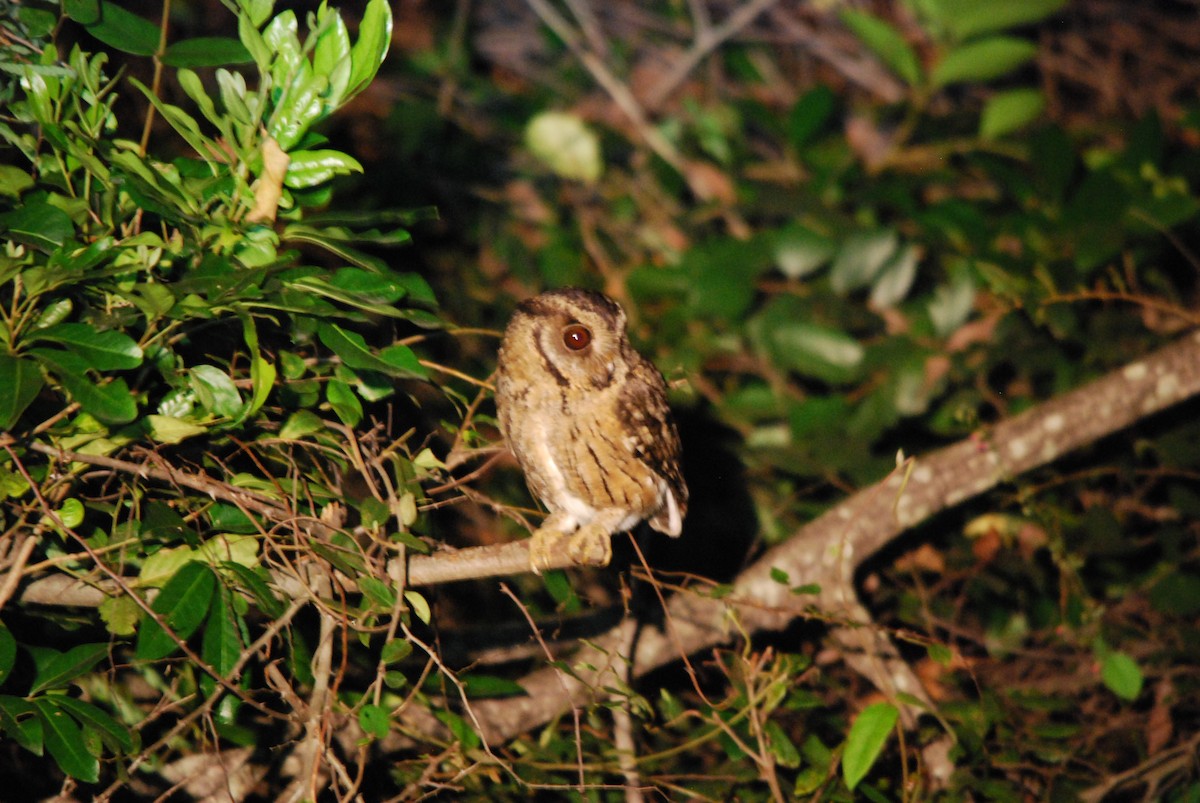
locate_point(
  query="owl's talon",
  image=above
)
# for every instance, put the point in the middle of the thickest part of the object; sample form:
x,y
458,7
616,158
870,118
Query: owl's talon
x,y
542,545
590,546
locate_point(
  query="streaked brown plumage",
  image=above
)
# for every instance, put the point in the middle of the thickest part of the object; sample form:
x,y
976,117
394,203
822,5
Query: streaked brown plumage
x,y
587,418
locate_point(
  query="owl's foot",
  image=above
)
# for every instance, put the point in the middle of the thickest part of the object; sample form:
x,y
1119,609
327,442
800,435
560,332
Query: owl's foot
x,y
590,545
544,542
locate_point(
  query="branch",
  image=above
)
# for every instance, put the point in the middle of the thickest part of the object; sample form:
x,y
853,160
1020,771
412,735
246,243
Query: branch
x,y
828,550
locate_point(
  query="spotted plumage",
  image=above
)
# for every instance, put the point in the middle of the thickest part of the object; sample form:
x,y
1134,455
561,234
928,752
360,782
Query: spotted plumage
x,y
586,416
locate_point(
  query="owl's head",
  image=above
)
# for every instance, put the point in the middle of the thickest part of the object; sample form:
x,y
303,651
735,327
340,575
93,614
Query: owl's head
x,y
576,336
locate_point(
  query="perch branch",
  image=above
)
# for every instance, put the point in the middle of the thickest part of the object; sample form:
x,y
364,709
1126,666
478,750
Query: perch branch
x,y
827,550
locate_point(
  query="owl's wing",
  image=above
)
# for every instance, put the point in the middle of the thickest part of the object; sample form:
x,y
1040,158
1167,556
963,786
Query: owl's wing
x,y
646,419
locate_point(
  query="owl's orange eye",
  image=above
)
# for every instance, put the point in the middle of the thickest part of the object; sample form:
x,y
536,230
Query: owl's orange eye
x,y
576,337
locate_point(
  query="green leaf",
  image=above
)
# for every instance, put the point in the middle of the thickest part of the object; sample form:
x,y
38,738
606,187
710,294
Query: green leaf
x,y
124,30
809,114
482,686
120,615
374,37
249,580
418,605
206,51
20,721
396,650
64,740
56,670
111,403
1121,675
813,350
222,644
8,652
301,424
344,403
182,605
983,60
169,429
115,735
396,360
379,592
782,747
37,224
105,351
1007,111
458,726
215,390
310,168
85,12
14,181
892,284
887,43
861,258
800,251
20,383
374,720
865,741
967,19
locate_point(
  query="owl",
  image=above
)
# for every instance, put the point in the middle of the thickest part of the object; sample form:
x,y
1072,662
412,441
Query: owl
x,y
586,416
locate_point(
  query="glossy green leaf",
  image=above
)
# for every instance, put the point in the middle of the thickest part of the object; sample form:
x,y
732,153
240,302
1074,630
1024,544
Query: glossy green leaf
x,y
64,739
310,168
374,720
886,42
1008,111
206,51
37,224
368,52
331,55
1121,675
396,360
105,351
182,605
116,736
8,652
20,722
215,390
983,60
124,31
20,383
866,739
